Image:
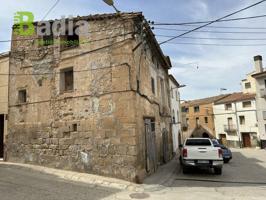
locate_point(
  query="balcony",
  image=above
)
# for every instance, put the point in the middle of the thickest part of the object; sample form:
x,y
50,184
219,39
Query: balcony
x,y
230,128
263,93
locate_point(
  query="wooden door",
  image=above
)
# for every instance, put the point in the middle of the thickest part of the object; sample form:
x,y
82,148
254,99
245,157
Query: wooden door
x,y
151,160
246,140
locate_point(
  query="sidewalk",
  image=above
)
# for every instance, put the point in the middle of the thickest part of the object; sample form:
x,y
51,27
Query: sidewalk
x,y
79,177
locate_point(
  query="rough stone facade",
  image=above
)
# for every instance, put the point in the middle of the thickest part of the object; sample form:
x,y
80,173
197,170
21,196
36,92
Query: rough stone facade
x,y
98,127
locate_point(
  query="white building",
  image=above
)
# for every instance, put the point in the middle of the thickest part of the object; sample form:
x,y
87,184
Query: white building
x,y
260,77
176,114
236,120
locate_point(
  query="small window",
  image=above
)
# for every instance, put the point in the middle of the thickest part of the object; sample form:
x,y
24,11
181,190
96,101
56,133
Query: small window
x,y
74,127
206,120
265,83
67,80
196,109
228,106
153,85
173,117
248,85
48,40
242,120
22,96
246,104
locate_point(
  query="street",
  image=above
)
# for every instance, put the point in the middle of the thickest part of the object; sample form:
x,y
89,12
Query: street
x,y
243,178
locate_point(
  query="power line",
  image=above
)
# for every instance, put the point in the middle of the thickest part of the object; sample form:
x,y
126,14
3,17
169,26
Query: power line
x,y
203,22
213,38
229,27
248,7
50,10
207,31
213,44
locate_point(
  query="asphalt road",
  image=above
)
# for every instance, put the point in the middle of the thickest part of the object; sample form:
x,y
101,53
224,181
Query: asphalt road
x,y
244,178
20,184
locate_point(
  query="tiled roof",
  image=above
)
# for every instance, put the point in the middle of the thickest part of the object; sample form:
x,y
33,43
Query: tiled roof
x,y
235,97
204,101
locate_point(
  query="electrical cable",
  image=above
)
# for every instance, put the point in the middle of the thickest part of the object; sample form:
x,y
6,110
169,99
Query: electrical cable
x,y
238,11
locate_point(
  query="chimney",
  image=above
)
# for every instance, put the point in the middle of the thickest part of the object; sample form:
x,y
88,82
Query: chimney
x,y
258,64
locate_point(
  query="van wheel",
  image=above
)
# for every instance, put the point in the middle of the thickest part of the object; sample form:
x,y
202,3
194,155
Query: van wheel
x,y
226,160
218,171
185,170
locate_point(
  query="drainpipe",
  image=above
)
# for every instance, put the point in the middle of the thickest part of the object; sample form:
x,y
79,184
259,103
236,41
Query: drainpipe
x,y
237,127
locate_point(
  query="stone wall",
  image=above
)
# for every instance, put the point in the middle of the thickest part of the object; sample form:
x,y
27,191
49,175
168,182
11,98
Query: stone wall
x,y
97,127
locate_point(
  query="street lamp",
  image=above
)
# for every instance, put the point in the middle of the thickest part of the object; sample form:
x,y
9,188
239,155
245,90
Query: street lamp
x,y
111,3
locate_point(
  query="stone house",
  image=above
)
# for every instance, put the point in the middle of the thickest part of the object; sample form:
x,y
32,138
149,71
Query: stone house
x,y
198,117
4,70
95,103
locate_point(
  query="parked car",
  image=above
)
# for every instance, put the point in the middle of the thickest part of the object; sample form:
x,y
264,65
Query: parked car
x,y
201,153
227,153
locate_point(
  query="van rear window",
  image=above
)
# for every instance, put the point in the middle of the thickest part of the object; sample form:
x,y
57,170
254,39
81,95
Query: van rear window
x,y
198,142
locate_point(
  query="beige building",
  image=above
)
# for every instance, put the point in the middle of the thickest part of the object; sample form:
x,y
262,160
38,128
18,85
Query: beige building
x,y
4,70
198,117
94,103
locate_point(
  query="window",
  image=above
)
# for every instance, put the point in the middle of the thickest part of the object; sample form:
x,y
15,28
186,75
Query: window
x,y
206,120
172,92
230,121
246,104
22,96
162,91
48,40
74,127
242,120
264,115
177,95
196,109
174,117
228,106
185,109
187,121
67,80
265,83
153,85
198,142
248,85
70,40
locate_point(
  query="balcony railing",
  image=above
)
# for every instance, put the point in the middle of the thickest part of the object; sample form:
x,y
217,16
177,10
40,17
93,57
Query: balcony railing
x,y
230,128
263,93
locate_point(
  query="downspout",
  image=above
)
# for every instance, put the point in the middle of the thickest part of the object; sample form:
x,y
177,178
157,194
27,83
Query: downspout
x,y
237,126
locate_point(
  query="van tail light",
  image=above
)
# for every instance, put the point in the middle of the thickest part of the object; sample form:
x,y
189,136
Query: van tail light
x,y
220,152
184,153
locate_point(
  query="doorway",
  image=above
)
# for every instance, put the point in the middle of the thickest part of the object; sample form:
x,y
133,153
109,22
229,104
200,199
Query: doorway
x,y
246,140
150,143
2,123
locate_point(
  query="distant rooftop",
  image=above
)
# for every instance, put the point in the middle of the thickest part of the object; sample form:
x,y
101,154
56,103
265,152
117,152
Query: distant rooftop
x,y
235,97
205,100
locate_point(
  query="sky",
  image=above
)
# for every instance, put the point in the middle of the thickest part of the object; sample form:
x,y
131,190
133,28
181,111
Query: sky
x,y
204,69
